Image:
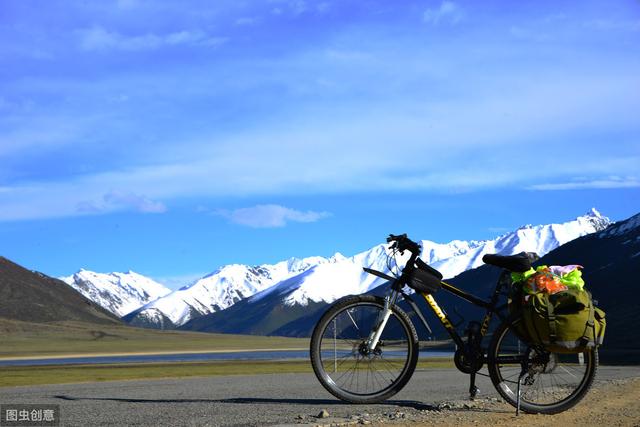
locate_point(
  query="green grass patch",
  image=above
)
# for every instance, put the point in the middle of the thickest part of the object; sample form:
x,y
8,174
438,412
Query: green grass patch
x,y
52,374
19,339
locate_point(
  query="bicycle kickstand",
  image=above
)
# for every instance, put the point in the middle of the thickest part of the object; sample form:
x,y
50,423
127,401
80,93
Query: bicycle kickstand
x,y
473,390
520,377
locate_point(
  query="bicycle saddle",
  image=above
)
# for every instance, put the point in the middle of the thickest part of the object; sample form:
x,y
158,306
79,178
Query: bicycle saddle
x,y
519,262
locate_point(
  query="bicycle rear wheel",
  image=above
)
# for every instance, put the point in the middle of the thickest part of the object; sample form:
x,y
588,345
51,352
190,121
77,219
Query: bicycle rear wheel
x,y
551,382
340,358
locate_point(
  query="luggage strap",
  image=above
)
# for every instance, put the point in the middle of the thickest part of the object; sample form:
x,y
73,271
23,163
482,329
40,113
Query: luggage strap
x,y
551,317
591,324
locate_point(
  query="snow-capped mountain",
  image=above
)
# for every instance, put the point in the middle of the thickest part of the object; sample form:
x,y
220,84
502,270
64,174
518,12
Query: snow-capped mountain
x,y
455,257
330,281
120,293
216,291
308,280
281,307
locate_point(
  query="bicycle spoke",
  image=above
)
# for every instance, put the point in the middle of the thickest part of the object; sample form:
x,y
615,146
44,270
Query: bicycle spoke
x,y
552,382
353,321
347,361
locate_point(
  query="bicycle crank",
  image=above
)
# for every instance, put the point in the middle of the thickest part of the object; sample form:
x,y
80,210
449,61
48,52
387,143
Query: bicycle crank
x,y
466,364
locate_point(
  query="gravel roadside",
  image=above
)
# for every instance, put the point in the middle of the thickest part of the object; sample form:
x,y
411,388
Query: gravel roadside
x,y
609,403
433,396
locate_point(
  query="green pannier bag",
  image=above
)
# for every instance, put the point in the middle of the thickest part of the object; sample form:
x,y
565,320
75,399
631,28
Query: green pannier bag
x,y
564,322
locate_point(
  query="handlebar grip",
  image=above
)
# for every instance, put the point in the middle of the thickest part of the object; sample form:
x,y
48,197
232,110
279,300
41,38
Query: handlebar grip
x,y
402,243
392,237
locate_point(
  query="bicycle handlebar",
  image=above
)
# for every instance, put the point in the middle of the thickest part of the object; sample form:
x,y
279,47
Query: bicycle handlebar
x,y
402,242
393,238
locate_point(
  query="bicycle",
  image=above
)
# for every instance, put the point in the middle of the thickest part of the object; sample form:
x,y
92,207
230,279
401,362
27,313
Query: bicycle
x,y
364,349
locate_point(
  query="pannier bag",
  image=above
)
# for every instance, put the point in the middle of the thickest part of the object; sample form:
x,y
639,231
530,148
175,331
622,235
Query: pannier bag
x,y
564,322
424,278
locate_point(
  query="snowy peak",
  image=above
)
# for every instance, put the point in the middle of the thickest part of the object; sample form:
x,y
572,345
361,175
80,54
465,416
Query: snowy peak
x,y
298,281
330,281
219,290
598,221
455,257
119,293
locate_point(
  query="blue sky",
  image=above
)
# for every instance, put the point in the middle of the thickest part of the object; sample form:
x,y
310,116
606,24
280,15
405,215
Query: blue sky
x,y
174,137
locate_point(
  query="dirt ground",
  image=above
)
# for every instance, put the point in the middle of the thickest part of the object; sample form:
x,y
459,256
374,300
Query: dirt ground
x,y
608,404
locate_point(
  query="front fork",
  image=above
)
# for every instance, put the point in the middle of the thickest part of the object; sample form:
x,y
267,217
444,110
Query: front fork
x,y
381,322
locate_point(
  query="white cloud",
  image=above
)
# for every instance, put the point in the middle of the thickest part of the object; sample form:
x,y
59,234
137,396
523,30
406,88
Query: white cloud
x,y
246,21
605,183
477,135
613,25
448,12
270,216
296,7
40,133
120,200
498,229
99,39
522,33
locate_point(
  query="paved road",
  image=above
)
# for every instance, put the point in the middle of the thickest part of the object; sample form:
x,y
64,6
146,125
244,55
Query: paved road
x,y
238,400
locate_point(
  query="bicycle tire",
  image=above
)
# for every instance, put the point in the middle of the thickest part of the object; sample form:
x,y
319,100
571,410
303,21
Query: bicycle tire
x,y
399,318
502,344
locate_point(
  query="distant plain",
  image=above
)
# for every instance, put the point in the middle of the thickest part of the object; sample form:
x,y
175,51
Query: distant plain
x,y
62,339
26,339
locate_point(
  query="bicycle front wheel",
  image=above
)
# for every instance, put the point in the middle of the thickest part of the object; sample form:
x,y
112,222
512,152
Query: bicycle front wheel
x,y
343,364
549,382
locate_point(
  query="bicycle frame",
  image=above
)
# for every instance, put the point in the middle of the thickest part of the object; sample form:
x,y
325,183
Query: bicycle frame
x,y
397,285
491,309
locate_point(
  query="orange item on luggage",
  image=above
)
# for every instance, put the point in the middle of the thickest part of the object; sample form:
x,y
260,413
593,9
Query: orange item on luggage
x,y
544,281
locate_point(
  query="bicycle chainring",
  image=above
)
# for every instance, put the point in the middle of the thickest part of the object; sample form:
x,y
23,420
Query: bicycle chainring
x,y
465,364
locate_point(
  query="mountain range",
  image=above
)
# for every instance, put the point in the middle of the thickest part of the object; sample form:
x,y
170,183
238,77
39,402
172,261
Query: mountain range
x,y
611,260
297,283
31,296
290,307
120,293
215,292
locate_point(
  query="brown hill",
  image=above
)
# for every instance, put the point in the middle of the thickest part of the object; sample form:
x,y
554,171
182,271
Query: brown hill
x,y
34,297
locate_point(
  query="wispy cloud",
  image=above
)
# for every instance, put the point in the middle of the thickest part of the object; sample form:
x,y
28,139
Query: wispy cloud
x,y
447,13
120,200
270,216
605,183
39,133
498,229
178,281
296,7
247,20
342,111
100,39
127,4
523,33
613,25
